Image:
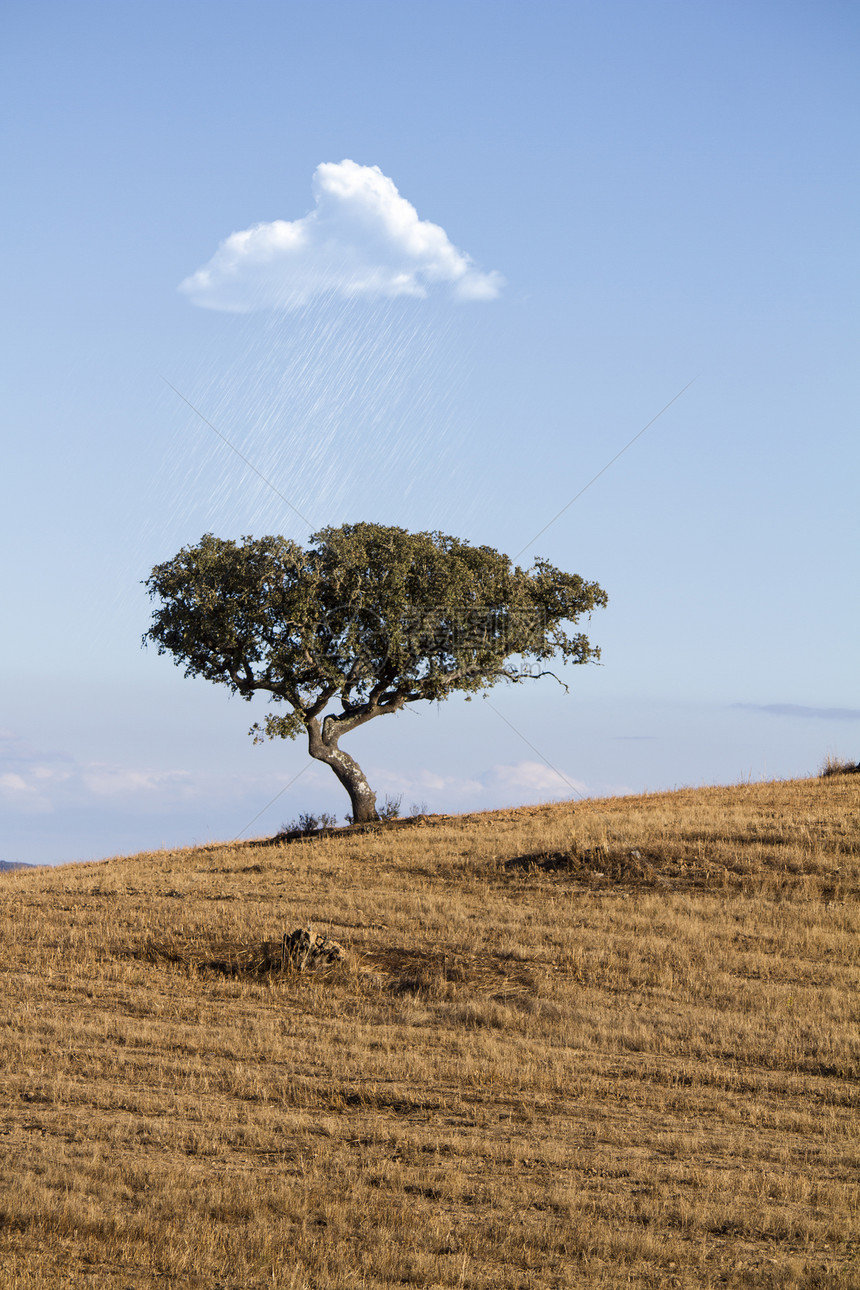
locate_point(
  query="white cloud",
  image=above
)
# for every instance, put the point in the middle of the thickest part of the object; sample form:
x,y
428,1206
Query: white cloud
x,y
534,777
417,783
18,794
13,784
362,239
44,780
505,784
124,782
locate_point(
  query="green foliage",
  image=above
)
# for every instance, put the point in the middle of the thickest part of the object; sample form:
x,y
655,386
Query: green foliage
x,y
368,615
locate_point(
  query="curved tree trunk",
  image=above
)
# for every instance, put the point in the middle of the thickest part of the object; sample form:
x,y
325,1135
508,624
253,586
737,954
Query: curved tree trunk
x,y
322,744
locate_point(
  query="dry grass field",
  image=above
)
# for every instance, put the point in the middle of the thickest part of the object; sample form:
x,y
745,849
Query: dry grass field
x,y
604,1044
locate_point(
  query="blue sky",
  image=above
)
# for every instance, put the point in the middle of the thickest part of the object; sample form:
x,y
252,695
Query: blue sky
x,y
668,190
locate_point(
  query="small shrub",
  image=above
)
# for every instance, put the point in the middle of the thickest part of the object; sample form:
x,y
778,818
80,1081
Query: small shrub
x,y
390,809
308,823
838,766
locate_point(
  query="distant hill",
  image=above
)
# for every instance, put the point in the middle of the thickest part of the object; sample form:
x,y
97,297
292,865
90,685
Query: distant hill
x,y
7,865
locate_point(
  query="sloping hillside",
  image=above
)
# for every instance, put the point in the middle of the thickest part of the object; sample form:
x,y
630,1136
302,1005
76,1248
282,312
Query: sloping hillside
x,y
598,1044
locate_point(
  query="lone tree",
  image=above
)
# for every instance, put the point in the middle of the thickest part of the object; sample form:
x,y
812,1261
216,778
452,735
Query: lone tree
x,y
369,618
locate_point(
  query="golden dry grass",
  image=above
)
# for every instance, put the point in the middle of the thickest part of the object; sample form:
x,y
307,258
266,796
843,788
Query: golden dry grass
x,y
550,1062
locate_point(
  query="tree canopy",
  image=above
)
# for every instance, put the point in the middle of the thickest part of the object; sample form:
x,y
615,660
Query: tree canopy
x,y
367,618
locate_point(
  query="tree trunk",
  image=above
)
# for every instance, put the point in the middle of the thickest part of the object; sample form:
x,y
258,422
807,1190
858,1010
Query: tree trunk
x,y
322,744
